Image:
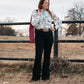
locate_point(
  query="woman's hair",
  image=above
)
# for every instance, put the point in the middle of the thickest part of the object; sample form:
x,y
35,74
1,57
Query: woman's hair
x,y
40,7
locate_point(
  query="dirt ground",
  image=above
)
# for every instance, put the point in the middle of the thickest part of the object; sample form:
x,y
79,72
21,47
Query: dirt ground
x,y
24,50
24,78
27,50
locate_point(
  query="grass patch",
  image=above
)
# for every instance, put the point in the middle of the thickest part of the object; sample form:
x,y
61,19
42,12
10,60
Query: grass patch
x,y
59,65
15,68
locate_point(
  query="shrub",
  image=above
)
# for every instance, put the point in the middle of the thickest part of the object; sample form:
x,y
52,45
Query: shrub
x,y
7,31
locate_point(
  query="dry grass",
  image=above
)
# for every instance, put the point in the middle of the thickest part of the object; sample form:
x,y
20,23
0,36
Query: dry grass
x,y
59,65
27,50
16,68
62,71
13,38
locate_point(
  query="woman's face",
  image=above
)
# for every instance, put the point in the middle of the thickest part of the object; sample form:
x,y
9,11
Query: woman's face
x,y
45,5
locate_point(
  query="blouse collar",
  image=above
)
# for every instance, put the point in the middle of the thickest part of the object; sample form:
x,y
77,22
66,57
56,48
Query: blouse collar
x,y
43,10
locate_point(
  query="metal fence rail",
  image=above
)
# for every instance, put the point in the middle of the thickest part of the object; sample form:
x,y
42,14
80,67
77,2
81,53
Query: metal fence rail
x,y
27,23
71,41
27,41
32,59
19,59
15,23
56,41
14,41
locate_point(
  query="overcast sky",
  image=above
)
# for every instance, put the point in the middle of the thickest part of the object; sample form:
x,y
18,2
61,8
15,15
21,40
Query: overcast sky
x,y
20,10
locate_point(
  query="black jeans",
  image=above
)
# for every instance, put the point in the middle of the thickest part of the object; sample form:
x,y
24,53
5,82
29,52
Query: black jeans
x,y
43,41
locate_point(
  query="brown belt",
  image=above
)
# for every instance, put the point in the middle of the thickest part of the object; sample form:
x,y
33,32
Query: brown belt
x,y
44,30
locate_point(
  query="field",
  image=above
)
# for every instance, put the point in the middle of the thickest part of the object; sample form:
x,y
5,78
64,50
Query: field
x,y
27,50
66,50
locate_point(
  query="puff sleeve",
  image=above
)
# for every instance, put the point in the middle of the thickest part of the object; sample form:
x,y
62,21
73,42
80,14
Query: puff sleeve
x,y
57,21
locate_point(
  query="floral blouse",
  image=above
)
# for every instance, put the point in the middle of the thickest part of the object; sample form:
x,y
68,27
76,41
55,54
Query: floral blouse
x,y
45,20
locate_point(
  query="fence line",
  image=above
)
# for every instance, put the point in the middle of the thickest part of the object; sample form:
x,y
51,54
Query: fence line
x,y
19,59
32,59
15,23
27,23
14,41
56,41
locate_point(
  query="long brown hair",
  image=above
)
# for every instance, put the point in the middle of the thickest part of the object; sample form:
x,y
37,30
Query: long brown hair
x,y
40,7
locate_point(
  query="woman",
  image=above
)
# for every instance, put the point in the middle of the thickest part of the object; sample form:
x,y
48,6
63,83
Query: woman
x,y
42,22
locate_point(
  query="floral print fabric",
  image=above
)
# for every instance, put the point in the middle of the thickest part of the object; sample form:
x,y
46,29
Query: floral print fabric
x,y
45,20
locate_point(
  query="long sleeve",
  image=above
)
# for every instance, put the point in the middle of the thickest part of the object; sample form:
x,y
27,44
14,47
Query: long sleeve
x,y
57,21
45,20
41,22
35,18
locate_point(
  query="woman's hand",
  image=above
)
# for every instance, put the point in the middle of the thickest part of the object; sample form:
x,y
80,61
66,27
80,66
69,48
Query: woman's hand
x,y
39,12
51,28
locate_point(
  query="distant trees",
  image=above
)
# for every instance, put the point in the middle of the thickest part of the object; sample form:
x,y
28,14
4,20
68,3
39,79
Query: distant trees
x,y
76,13
6,29
72,30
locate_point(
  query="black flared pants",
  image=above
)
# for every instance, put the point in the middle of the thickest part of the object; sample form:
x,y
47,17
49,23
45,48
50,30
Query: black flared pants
x,y
43,41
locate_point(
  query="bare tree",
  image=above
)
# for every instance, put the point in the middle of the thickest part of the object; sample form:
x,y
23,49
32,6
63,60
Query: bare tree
x,y
8,20
76,13
79,11
7,29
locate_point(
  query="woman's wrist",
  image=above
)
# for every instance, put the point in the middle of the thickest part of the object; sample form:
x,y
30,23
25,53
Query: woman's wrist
x,y
52,28
39,12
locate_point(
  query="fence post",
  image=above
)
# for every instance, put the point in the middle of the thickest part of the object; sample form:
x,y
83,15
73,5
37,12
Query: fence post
x,y
56,43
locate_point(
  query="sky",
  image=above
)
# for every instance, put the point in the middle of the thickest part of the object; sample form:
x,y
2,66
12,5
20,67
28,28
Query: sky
x,y
20,10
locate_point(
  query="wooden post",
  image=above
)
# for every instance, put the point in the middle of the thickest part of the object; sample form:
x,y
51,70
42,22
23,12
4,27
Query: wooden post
x,y
56,43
